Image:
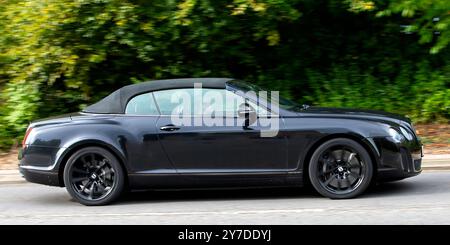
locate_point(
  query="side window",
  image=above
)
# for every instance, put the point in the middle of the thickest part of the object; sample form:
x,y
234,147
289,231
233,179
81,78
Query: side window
x,y
177,101
226,102
215,102
143,104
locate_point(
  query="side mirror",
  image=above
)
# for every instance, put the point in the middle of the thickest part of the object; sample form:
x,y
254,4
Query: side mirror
x,y
247,112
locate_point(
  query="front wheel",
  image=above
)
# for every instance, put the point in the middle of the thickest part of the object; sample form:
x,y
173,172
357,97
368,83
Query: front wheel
x,y
93,176
340,168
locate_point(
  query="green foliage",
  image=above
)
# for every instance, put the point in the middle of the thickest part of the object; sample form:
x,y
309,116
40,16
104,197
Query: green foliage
x,y
57,56
417,92
426,17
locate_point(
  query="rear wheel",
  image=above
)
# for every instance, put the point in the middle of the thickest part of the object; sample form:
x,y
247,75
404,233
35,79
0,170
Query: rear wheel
x,y
93,176
340,168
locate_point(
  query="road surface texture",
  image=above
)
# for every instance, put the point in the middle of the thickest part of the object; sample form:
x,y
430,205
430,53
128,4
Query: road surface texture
x,y
424,199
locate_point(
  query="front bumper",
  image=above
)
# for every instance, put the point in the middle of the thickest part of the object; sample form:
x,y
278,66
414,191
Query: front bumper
x,y
398,160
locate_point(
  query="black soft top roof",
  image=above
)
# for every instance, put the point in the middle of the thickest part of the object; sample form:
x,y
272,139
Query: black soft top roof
x,y
116,102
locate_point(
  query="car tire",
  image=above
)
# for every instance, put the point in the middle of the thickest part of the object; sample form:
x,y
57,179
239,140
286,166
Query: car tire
x,y
93,176
340,168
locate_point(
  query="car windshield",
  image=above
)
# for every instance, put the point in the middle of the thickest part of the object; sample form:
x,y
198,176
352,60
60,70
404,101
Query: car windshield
x,y
245,87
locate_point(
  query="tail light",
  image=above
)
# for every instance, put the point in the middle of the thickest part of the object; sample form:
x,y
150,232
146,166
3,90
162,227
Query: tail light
x,y
24,141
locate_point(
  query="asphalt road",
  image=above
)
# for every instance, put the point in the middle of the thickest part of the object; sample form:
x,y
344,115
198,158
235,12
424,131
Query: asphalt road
x,y
424,199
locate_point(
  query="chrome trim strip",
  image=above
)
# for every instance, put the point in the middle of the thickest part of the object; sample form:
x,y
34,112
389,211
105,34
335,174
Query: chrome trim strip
x,y
213,173
29,167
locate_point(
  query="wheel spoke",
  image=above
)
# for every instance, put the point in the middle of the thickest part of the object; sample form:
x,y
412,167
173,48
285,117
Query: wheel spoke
x,y
349,184
103,164
329,171
350,157
323,159
76,180
108,182
80,171
342,171
83,159
356,176
101,187
93,161
328,181
91,191
85,186
92,176
339,187
336,155
353,166
107,173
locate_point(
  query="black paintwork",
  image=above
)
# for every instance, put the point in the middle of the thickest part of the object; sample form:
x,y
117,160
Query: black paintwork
x,y
217,156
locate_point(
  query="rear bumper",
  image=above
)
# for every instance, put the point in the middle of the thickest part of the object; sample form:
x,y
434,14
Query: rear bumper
x,y
40,177
38,165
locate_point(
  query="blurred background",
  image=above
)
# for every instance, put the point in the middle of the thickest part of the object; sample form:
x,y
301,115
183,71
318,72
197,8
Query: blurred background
x,y
58,56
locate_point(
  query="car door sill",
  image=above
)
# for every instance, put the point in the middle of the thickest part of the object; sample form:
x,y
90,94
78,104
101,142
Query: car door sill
x,y
213,179
145,173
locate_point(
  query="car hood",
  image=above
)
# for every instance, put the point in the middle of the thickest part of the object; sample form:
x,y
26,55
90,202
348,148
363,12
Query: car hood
x,y
358,113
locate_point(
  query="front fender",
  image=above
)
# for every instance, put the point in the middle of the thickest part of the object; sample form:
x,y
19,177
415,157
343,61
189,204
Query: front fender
x,y
305,134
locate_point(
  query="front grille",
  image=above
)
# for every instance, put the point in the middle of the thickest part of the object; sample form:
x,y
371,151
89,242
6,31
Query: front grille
x,y
407,162
417,164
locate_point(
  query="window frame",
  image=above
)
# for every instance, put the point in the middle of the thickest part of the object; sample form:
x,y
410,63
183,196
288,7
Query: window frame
x,y
154,101
227,88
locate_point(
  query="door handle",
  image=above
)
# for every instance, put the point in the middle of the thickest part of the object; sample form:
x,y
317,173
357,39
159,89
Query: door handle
x,y
169,127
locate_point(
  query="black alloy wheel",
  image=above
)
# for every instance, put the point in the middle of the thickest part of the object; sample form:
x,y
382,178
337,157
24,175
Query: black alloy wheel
x,y
340,168
93,176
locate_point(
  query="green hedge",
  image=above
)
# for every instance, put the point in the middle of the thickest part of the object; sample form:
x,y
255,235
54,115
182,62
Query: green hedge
x,y
57,56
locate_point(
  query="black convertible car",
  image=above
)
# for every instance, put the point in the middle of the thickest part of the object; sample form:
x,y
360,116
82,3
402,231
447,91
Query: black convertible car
x,y
151,136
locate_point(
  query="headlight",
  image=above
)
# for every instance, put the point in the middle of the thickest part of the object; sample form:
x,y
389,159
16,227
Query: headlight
x,y
406,133
396,135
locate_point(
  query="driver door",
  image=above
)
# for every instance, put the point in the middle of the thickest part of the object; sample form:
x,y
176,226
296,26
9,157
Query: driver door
x,y
224,147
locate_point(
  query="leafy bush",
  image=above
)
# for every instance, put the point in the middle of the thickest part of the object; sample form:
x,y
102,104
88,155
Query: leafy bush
x,y
418,92
57,56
